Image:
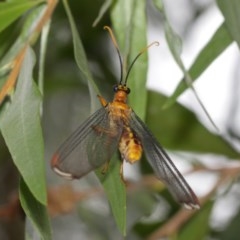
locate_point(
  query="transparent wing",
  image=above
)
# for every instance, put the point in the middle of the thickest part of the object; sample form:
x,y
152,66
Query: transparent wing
x,y
163,165
89,147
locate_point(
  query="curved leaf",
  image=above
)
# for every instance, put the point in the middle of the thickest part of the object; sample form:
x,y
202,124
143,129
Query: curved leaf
x,y
21,129
231,12
175,45
11,62
132,38
106,5
112,184
116,192
36,211
81,59
10,11
216,45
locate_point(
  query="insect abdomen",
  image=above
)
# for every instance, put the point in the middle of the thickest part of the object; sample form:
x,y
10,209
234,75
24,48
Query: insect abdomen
x,y
129,146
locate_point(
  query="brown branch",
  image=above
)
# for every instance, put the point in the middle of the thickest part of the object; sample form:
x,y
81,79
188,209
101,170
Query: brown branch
x,y
46,16
11,80
69,198
10,83
181,217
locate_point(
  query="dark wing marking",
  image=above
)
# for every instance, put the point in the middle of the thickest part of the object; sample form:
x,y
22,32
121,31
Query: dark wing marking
x,y
89,147
163,165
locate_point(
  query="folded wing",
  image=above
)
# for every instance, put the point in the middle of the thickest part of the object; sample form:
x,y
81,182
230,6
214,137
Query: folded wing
x,y
163,165
89,147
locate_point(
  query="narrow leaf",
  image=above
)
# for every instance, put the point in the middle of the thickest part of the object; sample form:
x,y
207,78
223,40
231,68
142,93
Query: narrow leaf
x,y
20,42
132,38
231,12
42,57
11,62
216,45
81,59
175,46
21,128
33,25
10,11
9,84
36,211
117,198
106,5
116,192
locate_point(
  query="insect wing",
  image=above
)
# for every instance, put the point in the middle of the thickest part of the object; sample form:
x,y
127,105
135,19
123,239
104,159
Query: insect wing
x,y
89,147
163,165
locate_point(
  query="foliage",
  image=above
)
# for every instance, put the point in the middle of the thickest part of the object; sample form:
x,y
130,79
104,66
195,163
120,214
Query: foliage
x,y
39,109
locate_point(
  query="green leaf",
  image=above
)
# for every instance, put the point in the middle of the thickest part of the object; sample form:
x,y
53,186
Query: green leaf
x,y
173,39
116,192
106,5
7,36
175,45
158,4
231,12
20,124
216,45
198,226
177,128
18,43
10,11
112,182
132,38
81,59
42,57
36,211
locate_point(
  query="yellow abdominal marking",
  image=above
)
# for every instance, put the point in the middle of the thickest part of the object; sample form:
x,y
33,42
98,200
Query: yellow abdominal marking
x,y
130,146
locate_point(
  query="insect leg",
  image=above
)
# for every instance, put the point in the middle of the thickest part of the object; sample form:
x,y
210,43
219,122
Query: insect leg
x,y
102,101
100,130
105,167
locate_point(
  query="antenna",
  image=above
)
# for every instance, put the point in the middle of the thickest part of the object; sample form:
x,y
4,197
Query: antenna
x,y
120,58
135,59
118,51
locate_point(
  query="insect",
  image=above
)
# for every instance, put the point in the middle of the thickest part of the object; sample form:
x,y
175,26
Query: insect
x,y
115,125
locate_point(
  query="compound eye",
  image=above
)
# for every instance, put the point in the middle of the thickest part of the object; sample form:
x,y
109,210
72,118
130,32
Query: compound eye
x,y
128,90
115,88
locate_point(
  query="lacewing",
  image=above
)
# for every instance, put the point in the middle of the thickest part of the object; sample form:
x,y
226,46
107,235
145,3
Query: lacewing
x,y
116,125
